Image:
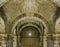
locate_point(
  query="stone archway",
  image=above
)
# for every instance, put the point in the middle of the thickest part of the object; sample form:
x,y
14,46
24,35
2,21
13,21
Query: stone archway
x,y
57,32
33,21
30,37
2,32
2,25
57,26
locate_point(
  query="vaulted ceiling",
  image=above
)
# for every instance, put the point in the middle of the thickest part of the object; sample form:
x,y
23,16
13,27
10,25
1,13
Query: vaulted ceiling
x,y
14,8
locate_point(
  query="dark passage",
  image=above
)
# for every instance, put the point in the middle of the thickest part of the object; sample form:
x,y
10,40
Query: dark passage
x,y
30,37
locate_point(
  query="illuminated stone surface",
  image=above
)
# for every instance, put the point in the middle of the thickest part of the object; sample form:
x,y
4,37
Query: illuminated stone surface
x,y
46,19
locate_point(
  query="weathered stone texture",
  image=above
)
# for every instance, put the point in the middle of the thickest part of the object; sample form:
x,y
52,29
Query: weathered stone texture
x,y
46,10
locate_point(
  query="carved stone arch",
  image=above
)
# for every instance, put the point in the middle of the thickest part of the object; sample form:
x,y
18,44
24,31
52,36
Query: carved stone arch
x,y
2,25
56,18
53,20
57,30
4,17
57,26
20,16
29,20
53,24
45,22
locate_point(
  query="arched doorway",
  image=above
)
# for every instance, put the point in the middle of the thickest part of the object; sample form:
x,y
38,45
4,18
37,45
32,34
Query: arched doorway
x,y
57,32
30,32
30,37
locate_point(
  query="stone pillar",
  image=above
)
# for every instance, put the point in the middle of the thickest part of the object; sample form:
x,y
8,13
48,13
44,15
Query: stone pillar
x,y
14,38
9,41
57,40
45,42
3,42
15,41
45,38
56,43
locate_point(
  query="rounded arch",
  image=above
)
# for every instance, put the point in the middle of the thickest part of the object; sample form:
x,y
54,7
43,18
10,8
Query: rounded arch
x,y
57,26
4,17
2,25
23,17
29,31
33,19
54,19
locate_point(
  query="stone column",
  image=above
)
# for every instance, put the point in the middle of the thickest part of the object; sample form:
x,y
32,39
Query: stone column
x,y
15,41
56,43
14,38
3,40
45,38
